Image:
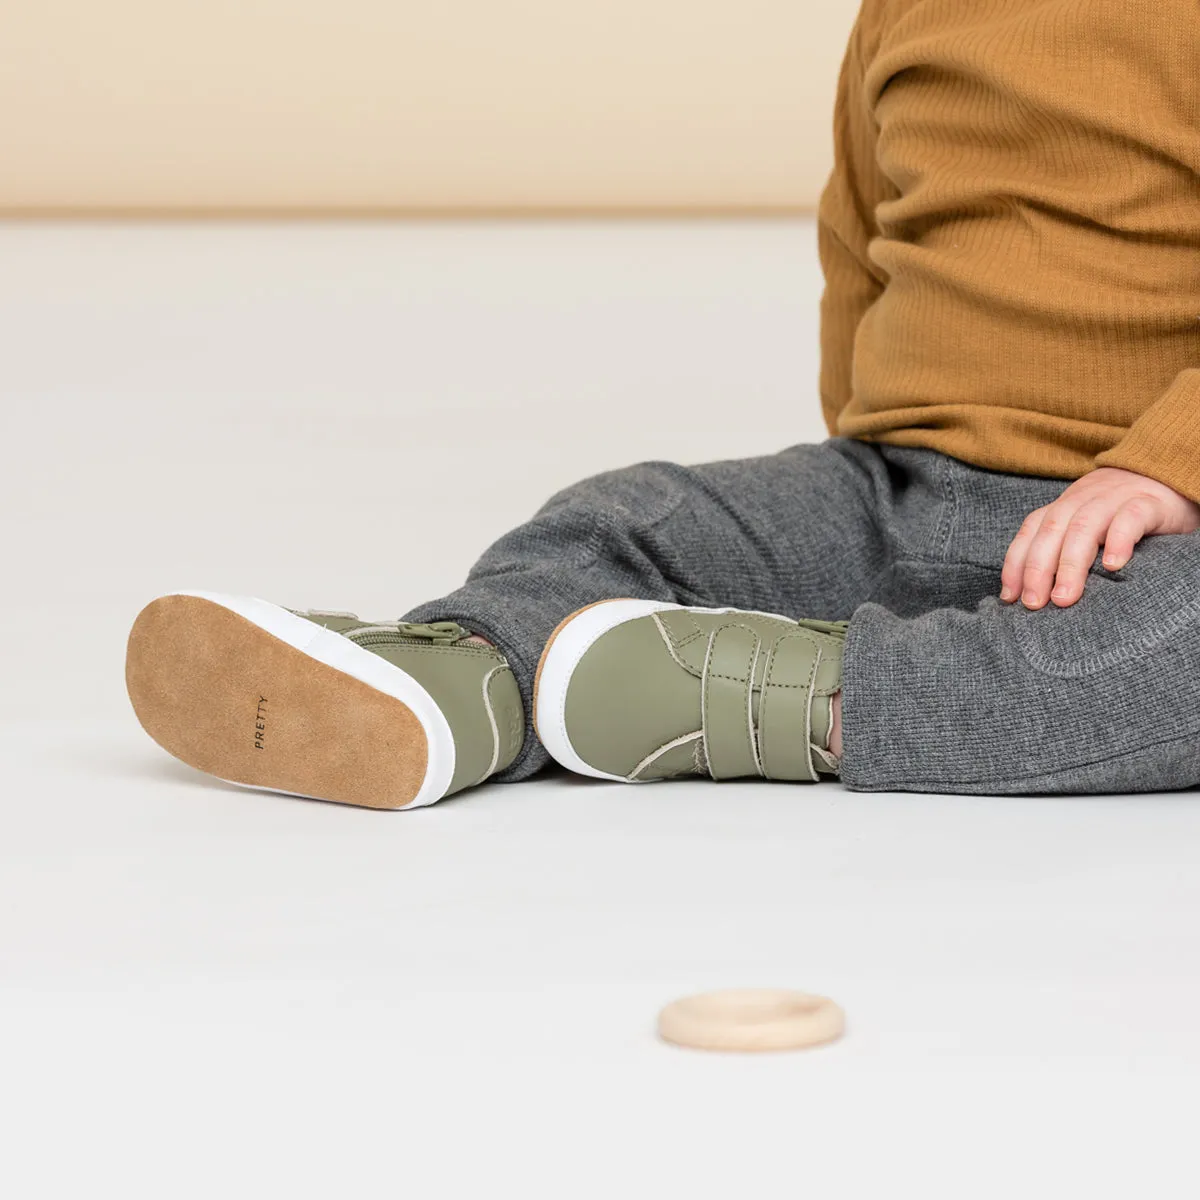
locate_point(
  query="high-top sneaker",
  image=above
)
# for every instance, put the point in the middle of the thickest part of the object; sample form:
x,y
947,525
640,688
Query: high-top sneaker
x,y
638,690
322,704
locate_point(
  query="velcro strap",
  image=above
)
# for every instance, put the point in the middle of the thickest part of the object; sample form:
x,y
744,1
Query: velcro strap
x,y
725,707
783,709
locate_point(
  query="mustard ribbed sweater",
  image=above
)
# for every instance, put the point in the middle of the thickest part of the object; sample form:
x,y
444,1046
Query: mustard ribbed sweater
x,y
1011,235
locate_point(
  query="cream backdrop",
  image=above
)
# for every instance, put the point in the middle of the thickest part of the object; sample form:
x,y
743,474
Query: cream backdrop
x,y
395,105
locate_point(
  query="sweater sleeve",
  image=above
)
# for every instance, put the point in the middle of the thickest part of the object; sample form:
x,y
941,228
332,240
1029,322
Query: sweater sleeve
x,y
846,224
1164,442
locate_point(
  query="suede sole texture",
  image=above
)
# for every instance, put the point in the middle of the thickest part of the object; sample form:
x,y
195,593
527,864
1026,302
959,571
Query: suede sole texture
x,y
223,695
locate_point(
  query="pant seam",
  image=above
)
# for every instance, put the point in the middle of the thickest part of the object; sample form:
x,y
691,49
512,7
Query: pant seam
x,y
1095,663
949,518
938,547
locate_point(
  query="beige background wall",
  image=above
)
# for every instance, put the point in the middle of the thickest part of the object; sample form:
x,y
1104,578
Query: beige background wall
x,y
394,104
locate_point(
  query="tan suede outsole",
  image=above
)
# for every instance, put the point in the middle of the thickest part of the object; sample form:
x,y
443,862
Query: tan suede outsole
x,y
227,697
537,679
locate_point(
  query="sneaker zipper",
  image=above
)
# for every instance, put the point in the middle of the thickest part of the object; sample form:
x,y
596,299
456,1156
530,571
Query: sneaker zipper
x,y
404,633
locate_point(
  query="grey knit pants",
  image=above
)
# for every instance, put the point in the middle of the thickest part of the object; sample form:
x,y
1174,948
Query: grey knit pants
x,y
945,688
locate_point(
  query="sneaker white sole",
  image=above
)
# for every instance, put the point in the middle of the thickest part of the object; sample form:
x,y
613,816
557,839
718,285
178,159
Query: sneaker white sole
x,y
573,638
248,692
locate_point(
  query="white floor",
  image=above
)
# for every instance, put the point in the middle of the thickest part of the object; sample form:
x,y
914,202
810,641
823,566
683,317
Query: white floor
x,y
210,992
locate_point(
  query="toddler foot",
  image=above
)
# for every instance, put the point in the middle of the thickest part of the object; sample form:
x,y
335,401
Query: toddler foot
x,y
320,704
636,690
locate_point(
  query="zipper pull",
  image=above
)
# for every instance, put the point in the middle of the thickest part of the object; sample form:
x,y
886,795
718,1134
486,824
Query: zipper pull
x,y
836,628
436,631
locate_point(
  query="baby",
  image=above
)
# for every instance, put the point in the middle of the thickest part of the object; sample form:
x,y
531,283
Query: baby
x,y
986,579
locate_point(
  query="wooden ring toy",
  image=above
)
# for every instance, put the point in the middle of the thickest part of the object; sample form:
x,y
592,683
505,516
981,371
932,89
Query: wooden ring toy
x,y
746,1020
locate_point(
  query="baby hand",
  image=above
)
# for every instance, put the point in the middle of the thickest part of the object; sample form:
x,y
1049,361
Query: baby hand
x,y
1061,539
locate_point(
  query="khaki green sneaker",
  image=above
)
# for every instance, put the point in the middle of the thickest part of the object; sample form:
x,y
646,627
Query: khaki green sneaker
x,y
321,704
637,690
